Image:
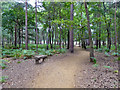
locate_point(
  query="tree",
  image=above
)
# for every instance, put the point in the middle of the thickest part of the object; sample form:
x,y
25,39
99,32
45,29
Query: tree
x,y
115,29
90,37
108,29
26,31
71,29
36,25
99,40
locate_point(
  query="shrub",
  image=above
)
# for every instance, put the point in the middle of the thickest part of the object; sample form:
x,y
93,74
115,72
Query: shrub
x,y
115,53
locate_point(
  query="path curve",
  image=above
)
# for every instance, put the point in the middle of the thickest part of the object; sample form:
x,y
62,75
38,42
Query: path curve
x,y
61,73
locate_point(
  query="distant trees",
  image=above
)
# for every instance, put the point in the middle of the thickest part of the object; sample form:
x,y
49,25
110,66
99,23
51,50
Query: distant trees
x,y
52,24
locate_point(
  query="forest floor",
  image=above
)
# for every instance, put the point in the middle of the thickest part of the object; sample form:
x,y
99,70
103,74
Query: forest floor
x,y
63,71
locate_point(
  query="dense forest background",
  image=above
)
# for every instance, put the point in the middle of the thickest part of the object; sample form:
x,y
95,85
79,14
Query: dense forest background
x,y
68,36
56,25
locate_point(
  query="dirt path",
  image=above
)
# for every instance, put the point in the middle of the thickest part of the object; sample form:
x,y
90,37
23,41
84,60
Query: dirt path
x,y
61,72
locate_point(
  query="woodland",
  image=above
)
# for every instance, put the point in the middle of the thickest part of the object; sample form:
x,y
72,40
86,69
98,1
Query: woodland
x,y
84,35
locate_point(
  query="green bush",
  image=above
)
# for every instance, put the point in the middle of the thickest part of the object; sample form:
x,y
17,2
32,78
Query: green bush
x,y
115,53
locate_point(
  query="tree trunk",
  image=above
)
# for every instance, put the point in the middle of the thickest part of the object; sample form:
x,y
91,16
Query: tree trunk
x,y
19,37
50,35
55,37
71,30
2,42
26,31
47,40
49,30
108,31
60,27
99,40
115,29
90,37
109,36
43,37
97,43
68,39
79,38
119,42
36,26
22,35
15,35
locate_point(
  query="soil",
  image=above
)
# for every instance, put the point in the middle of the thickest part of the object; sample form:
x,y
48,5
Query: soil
x,y
62,71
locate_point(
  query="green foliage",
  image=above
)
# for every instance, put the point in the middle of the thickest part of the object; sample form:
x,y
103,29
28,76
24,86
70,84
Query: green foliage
x,y
116,71
106,49
3,79
115,53
25,54
107,67
2,63
51,52
100,50
19,62
94,59
18,53
106,54
95,65
61,50
28,53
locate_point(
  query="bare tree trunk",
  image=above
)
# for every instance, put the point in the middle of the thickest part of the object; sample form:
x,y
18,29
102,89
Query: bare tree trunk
x,y
36,26
47,41
43,35
15,35
22,35
50,35
99,35
60,27
26,31
71,30
109,36
90,37
119,44
115,29
99,41
19,37
55,36
79,38
68,35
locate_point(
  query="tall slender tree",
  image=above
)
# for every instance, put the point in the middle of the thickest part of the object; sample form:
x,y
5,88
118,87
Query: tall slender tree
x,y
36,25
115,29
71,29
90,37
26,31
99,40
